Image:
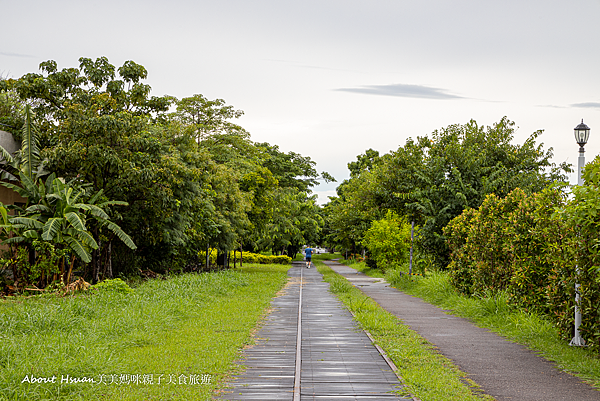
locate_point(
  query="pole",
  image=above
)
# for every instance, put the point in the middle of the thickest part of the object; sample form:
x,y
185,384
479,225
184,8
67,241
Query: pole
x,y
207,256
412,237
577,339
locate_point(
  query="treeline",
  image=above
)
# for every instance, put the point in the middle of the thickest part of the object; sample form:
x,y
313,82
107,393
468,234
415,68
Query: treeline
x,y
168,177
431,180
498,217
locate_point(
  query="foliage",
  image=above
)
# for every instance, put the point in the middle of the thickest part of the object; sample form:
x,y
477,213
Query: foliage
x,y
56,212
431,180
247,257
461,164
388,240
43,270
250,257
11,112
579,261
536,247
116,285
191,177
349,215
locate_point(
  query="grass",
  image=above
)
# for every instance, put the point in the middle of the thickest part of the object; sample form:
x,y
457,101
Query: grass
x,y
494,313
427,374
362,267
187,328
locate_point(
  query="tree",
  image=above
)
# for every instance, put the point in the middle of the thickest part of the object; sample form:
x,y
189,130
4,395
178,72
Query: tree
x,y
99,124
433,179
388,240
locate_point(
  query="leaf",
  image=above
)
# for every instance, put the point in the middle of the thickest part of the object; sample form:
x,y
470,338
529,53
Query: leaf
x,y
74,219
79,249
14,240
88,239
4,213
30,151
121,234
98,212
51,228
31,221
31,234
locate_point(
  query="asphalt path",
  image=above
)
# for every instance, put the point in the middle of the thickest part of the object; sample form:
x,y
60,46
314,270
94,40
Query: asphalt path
x,y
504,370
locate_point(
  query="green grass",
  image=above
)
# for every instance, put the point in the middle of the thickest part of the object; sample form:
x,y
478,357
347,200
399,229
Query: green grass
x,y
494,313
428,375
191,325
362,267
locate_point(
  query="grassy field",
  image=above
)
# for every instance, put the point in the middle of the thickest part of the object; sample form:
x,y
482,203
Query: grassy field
x,y
169,339
427,374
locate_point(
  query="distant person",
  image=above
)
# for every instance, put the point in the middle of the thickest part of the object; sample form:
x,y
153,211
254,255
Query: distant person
x,y
308,254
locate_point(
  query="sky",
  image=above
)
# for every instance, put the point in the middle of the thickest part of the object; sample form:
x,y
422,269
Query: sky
x,y
331,78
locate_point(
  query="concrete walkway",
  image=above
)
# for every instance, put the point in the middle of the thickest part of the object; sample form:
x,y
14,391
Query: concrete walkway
x,y
334,360
504,370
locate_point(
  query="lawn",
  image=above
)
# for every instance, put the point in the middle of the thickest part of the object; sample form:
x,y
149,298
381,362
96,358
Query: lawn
x,y
171,339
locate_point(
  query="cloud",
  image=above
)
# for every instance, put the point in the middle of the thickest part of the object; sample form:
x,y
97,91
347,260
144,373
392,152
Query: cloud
x,y
403,90
587,105
16,55
551,106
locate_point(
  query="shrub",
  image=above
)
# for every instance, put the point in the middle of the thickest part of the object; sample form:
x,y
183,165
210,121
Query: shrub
x,y
114,285
529,247
388,240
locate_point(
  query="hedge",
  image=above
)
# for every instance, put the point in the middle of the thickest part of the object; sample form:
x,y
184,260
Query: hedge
x,y
530,246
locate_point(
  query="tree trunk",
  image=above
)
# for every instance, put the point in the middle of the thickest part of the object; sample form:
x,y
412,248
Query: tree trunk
x,y
109,272
67,282
95,266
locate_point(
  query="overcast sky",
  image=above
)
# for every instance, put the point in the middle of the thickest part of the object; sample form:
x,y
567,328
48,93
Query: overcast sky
x,y
332,78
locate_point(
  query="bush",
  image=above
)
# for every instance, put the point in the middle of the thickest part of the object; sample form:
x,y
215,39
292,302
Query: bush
x,y
114,285
388,240
248,257
529,246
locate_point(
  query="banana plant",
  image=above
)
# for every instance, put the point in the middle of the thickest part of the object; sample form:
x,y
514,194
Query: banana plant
x,y
28,159
59,212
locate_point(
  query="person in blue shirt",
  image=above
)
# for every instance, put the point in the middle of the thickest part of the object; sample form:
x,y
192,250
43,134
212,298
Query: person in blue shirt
x,y
308,255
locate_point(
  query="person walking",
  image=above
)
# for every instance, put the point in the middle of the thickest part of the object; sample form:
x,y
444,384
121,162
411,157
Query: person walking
x,y
308,255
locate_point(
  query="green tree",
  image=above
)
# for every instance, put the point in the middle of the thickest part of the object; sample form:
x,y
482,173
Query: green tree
x,y
432,180
100,125
388,240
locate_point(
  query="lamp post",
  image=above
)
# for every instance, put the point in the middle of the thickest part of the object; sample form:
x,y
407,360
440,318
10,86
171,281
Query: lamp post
x,y
582,134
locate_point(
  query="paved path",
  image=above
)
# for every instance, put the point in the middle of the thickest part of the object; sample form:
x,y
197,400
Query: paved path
x,y
337,361
505,370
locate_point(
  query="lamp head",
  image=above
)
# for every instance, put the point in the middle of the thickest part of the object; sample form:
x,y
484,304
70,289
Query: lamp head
x,y
582,134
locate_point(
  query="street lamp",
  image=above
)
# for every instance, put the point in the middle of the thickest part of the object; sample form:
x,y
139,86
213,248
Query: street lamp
x,y
582,134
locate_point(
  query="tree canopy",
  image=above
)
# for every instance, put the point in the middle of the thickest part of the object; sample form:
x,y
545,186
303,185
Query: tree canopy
x,y
432,179
190,175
